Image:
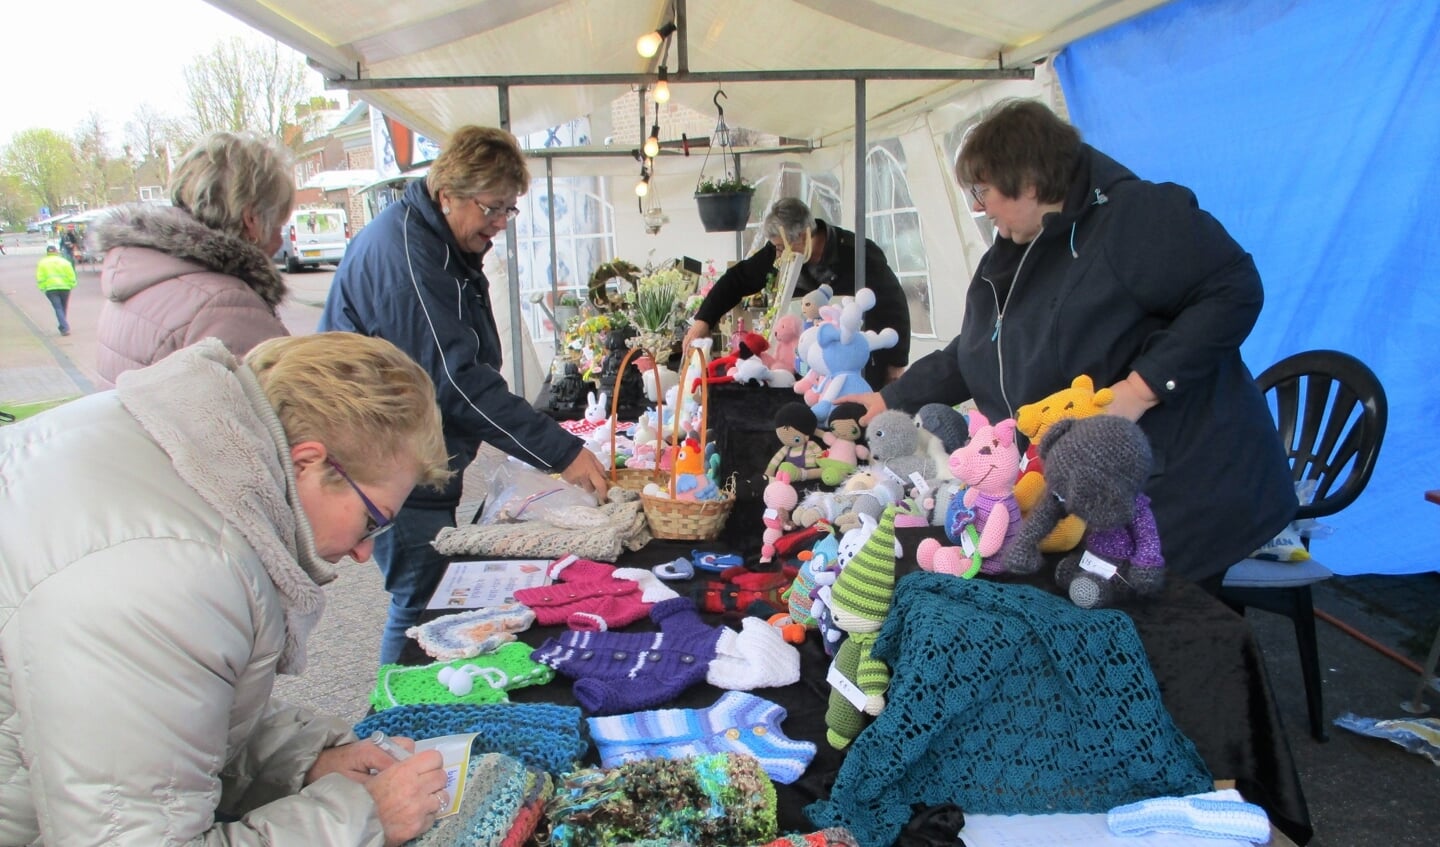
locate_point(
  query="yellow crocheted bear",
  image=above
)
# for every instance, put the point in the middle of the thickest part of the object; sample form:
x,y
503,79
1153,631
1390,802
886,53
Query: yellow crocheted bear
x,y
1080,400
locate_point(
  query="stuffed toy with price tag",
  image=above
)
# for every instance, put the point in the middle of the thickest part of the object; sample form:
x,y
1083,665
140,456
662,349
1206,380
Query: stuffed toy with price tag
x,y
859,602
1096,468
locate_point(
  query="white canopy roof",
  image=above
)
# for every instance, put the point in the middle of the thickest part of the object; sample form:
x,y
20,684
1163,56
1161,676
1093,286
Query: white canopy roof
x,y
336,180
446,39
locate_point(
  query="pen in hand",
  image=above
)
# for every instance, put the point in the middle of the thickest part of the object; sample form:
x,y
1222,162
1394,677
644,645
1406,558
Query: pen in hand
x,y
396,752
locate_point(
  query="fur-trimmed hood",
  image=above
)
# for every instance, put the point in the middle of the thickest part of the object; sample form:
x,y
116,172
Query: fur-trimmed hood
x,y
176,233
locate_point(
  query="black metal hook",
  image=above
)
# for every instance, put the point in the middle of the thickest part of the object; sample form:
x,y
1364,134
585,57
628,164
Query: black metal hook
x,y
716,100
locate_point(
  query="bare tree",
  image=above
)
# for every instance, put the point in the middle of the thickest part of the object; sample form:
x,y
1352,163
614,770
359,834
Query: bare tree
x,y
150,137
247,84
43,161
92,160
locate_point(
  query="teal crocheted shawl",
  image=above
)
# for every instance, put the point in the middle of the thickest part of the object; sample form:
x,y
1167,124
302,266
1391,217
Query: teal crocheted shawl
x,y
1007,700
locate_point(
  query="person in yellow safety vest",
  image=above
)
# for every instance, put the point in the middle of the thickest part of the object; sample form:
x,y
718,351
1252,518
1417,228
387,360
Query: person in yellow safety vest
x,y
56,277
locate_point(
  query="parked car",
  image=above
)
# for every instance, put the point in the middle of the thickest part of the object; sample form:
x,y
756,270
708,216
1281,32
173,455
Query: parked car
x,y
313,237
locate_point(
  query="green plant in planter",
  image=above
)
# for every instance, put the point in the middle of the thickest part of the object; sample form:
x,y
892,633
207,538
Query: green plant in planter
x,y
725,185
570,300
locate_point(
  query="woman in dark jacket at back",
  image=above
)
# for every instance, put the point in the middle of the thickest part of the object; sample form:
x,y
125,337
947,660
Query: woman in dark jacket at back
x,y
1095,271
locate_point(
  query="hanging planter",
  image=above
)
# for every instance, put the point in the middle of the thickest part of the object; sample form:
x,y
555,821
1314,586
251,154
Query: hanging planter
x,y
725,211
724,202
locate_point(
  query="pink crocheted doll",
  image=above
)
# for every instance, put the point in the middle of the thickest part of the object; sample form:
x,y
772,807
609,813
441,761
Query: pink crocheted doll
x,y
988,464
784,339
780,499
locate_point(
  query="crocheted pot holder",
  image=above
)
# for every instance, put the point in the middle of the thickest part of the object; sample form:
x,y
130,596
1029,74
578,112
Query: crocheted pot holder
x,y
507,668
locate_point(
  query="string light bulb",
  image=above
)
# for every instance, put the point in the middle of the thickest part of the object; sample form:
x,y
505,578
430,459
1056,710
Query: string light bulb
x,y
652,144
643,186
649,43
662,88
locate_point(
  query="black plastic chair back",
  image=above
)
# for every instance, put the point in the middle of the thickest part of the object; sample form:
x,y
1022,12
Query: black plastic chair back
x,y
1331,412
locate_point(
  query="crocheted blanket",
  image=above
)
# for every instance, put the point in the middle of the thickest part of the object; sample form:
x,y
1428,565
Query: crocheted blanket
x,y
600,533
541,735
1005,699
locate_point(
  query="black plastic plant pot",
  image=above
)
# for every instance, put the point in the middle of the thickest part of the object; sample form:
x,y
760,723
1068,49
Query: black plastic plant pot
x,y
725,212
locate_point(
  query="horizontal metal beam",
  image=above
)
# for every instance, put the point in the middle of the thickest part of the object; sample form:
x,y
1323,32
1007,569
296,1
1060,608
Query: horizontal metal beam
x,y
667,152
680,78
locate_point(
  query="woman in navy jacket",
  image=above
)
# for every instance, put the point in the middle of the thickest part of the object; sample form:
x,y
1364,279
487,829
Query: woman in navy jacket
x,y
413,277
1097,272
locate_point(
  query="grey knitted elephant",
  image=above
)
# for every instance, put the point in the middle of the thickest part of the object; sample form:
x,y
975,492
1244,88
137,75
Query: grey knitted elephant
x,y
1096,468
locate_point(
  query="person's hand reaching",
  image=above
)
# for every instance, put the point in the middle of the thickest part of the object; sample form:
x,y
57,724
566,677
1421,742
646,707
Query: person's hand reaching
x,y
586,471
1133,398
698,329
873,402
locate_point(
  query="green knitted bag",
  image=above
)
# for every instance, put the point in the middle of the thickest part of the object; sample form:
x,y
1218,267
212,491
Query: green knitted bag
x,y
506,669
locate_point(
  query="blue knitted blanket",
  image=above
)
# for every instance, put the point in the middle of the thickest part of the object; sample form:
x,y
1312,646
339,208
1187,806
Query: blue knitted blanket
x,y
1007,700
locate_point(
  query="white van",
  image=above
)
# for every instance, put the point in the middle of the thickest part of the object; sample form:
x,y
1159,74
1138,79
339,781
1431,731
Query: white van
x,y
313,237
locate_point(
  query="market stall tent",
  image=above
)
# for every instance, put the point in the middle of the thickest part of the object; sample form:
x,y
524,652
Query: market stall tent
x,y
1272,110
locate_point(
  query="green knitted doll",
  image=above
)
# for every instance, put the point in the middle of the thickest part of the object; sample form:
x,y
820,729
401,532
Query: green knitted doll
x,y
860,600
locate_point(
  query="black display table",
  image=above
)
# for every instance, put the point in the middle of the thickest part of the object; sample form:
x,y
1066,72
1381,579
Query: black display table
x,y
1209,669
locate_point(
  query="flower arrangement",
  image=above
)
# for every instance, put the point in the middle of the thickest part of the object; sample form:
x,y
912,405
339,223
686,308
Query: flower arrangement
x,y
657,308
585,340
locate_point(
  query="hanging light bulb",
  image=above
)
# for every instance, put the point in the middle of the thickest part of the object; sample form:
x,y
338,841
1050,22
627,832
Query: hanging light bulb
x,y
643,186
649,43
662,88
652,144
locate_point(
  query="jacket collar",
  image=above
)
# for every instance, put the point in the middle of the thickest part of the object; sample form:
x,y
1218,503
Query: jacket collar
x,y
210,416
177,233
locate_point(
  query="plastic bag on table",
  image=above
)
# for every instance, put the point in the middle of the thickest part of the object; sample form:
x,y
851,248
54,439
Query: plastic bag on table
x,y
518,492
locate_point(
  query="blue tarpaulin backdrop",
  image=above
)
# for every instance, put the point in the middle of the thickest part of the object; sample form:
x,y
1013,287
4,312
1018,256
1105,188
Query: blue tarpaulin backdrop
x,y
1311,130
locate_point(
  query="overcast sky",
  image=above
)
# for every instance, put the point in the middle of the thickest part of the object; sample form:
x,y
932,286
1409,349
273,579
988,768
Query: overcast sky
x,y
60,61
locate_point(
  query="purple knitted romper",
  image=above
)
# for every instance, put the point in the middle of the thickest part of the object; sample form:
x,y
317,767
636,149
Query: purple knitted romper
x,y
618,672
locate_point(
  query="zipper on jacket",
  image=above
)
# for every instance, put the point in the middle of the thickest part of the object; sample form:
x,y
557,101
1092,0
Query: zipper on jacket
x,y
996,335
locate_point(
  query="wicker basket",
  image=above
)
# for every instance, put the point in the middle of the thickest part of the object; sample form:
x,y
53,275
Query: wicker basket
x,y
689,520
635,479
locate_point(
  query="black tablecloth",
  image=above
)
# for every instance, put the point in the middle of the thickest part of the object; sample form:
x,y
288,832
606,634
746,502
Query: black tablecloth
x,y
1205,659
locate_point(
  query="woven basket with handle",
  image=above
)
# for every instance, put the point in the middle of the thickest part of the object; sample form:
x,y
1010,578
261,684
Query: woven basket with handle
x,y
688,520
635,479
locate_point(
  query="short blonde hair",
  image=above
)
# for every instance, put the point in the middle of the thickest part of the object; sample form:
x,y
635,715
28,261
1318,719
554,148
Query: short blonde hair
x,y
227,174
479,159
370,405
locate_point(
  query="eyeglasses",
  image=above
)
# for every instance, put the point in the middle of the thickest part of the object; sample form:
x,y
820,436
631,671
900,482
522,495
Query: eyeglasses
x,y
979,194
509,212
376,523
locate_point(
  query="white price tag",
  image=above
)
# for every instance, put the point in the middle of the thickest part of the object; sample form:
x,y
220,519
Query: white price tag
x,y
771,514
921,485
1096,565
849,690
899,480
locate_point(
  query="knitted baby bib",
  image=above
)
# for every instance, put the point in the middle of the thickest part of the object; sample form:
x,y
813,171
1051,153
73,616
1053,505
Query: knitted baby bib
x,y
494,673
466,634
541,735
719,800
503,802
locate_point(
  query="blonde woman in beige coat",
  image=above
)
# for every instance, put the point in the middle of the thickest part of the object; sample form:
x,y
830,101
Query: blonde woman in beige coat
x,y
201,268
139,642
